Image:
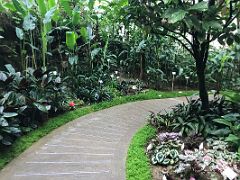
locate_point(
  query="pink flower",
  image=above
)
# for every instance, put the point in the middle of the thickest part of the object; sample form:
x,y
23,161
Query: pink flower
x,y
72,104
207,158
192,178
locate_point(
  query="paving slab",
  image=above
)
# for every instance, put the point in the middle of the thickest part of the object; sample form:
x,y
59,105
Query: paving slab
x,y
92,147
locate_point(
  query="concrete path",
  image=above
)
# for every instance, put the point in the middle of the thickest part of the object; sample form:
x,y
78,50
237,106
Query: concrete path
x,y
93,147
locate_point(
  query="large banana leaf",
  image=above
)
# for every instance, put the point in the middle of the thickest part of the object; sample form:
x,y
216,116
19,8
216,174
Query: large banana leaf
x,y
52,4
76,17
42,6
66,6
70,39
2,7
19,7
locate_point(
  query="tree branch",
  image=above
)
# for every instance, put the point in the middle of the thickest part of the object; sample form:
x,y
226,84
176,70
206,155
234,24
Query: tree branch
x,y
184,45
170,30
206,44
224,27
231,20
184,37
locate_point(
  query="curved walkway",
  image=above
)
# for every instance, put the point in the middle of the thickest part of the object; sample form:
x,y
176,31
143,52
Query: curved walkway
x,y
93,147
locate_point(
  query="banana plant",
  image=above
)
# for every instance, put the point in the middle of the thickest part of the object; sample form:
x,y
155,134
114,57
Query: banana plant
x,y
23,10
33,13
47,12
20,35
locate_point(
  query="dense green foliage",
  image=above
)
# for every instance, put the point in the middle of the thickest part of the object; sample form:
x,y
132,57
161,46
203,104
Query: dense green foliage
x,y
191,119
30,98
223,68
88,41
222,120
194,24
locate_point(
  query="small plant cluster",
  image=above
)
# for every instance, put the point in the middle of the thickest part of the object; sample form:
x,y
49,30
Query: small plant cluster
x,y
166,152
207,161
91,88
201,141
130,87
28,99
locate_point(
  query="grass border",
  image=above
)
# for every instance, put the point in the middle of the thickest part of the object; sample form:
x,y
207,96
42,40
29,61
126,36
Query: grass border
x,y
26,141
137,164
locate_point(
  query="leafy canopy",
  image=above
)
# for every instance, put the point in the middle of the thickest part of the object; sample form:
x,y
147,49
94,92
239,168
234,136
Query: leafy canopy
x,y
194,21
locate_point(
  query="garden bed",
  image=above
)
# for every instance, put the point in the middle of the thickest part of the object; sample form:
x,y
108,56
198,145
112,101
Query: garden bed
x,y
192,158
198,156
193,143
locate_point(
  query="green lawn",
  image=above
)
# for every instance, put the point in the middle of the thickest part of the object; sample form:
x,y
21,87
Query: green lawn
x,y
26,141
138,165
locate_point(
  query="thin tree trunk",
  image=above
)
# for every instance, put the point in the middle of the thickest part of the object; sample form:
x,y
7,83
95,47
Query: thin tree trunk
x,y
202,84
141,67
142,75
238,23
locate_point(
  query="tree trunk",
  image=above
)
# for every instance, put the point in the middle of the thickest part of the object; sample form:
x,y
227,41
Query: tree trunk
x,y
142,67
200,65
200,54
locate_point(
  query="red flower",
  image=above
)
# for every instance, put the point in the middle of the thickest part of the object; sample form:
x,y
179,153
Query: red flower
x,y
72,104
